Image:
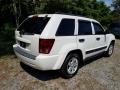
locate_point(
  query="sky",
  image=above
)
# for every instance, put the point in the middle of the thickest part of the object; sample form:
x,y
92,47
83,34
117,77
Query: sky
x,y
108,2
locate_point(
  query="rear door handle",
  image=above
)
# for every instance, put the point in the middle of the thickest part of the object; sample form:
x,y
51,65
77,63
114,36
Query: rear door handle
x,y
98,39
81,40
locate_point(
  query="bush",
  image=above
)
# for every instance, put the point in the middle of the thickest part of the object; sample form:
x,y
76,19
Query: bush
x,y
7,32
6,39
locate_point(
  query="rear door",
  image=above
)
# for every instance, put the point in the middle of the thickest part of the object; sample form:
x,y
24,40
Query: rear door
x,y
28,33
85,37
65,36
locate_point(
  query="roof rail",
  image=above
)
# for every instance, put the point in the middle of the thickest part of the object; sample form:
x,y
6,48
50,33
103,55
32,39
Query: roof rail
x,y
69,14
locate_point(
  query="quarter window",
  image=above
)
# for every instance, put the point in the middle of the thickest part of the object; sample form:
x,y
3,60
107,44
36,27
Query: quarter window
x,y
98,29
84,27
66,27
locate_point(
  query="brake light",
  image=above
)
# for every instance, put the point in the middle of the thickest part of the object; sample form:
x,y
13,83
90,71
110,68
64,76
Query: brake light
x,y
45,45
34,18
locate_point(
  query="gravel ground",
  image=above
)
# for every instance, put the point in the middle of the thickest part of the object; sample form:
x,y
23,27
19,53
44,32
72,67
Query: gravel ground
x,y
101,73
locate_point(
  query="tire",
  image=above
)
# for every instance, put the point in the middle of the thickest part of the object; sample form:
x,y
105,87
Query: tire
x,y
109,52
70,66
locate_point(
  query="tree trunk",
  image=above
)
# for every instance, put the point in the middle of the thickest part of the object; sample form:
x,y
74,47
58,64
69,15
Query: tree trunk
x,y
15,12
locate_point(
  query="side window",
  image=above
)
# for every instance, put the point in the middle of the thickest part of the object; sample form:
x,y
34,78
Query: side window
x,y
98,29
66,27
84,27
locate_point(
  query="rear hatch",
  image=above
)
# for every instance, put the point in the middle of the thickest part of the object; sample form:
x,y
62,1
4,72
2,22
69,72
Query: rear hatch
x,y
28,33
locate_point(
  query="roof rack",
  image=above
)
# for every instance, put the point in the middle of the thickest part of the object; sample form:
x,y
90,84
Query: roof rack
x,y
69,14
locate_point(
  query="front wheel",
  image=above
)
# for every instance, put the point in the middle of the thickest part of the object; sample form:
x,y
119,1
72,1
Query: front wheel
x,y
70,66
110,50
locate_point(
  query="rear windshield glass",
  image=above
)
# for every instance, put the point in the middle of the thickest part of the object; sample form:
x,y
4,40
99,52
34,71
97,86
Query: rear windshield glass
x,y
34,25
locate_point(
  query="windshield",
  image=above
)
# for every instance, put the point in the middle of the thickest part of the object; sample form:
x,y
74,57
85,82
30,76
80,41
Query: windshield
x,y
34,25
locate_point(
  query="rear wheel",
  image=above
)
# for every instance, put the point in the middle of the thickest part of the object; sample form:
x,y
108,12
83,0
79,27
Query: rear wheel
x,y
71,65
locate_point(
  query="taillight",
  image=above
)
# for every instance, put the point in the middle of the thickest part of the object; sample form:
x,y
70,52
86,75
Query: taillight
x,y
45,45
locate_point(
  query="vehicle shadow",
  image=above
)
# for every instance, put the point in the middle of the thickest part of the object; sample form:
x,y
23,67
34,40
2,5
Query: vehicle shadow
x,y
41,75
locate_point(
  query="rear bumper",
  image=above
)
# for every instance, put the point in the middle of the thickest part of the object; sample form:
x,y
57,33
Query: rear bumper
x,y
41,62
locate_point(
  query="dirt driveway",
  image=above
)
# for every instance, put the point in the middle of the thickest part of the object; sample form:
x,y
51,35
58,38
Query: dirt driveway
x,y
98,74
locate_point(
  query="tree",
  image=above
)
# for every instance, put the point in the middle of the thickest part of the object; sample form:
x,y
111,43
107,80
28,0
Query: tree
x,y
116,5
6,11
116,11
22,8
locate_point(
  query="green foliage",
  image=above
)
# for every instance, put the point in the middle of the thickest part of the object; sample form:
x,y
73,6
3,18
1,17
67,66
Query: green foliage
x,y
7,32
6,39
90,8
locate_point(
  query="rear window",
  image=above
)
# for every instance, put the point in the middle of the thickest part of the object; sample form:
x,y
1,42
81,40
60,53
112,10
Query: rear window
x,y
34,25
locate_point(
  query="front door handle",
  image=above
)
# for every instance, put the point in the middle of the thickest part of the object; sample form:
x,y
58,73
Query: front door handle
x,y
98,39
81,40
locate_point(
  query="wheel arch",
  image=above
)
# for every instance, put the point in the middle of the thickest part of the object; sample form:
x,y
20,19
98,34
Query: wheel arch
x,y
76,51
113,41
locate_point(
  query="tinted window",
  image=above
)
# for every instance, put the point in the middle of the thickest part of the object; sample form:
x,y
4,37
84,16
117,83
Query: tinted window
x,y
34,25
98,29
66,27
84,28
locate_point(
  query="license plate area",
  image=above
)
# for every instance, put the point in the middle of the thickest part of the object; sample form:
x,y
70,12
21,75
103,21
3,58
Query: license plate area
x,y
22,44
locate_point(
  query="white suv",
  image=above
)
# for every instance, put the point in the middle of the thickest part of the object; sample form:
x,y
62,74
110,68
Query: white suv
x,y
60,42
